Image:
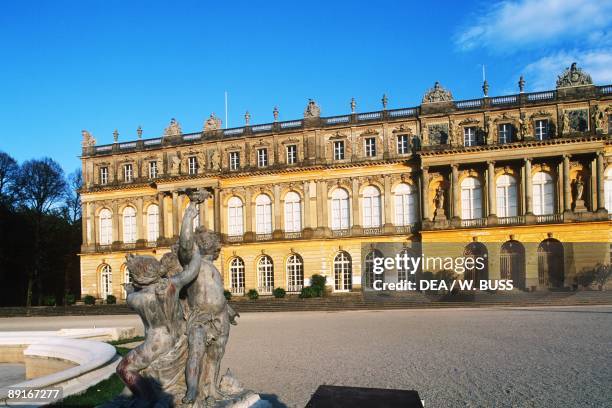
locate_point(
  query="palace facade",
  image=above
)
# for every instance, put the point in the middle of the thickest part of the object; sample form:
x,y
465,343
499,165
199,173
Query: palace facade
x,y
523,180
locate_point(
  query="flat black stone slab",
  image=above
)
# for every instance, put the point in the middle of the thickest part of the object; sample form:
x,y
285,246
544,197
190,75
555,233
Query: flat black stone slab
x,y
333,396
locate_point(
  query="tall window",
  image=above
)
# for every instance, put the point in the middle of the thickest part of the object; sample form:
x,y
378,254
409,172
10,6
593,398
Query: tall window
x,y
405,205
507,197
370,276
371,207
608,188
152,169
339,150
370,146
471,198
237,276
265,274
234,160
293,213
403,144
106,227
295,273
129,225
543,194
343,273
541,129
106,281
291,154
263,214
340,209
128,173
469,136
505,133
152,223
234,217
193,165
103,175
262,157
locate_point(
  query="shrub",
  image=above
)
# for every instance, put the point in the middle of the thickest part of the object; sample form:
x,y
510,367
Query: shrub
x,y
602,273
70,299
48,300
308,292
585,277
253,294
89,300
279,293
317,283
111,300
227,294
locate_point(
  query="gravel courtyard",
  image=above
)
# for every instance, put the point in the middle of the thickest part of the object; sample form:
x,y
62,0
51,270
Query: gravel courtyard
x,y
520,357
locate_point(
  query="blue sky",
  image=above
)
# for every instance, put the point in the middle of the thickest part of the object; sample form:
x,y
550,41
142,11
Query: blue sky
x,y
101,65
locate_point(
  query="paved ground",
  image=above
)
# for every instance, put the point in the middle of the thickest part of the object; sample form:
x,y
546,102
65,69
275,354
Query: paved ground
x,y
522,357
11,374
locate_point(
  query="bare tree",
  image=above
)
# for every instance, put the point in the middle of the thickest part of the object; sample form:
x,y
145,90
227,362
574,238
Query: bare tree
x,y
72,200
40,187
8,174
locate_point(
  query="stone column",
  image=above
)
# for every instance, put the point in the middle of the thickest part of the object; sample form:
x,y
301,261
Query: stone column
x,y
492,205
217,198
324,206
425,194
601,201
91,213
355,204
278,227
162,215
116,233
528,187
306,205
248,214
175,214
387,203
139,216
84,218
204,214
567,190
455,187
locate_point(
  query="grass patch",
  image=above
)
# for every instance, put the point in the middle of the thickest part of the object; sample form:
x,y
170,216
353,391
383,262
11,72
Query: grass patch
x,y
105,390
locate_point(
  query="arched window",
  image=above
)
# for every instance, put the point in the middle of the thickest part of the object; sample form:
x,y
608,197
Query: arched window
x,y
507,196
405,271
369,274
608,188
152,223
106,227
265,275
405,205
471,198
106,281
371,207
234,217
129,225
295,273
293,212
343,272
263,214
340,209
237,276
127,278
543,194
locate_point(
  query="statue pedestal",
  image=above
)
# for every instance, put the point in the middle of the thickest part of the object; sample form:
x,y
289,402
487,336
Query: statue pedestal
x,y
440,216
579,206
246,399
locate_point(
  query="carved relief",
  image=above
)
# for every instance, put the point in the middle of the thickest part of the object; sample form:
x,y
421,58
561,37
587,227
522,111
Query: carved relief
x,y
88,139
573,76
312,110
212,123
437,94
173,129
438,134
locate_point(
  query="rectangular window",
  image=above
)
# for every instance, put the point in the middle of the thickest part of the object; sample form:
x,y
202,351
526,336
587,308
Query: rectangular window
x,y
505,133
370,147
291,154
403,144
152,169
339,150
262,157
103,175
128,173
193,165
469,136
541,129
234,160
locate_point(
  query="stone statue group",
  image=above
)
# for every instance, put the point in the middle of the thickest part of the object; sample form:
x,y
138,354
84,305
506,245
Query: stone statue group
x,y
186,319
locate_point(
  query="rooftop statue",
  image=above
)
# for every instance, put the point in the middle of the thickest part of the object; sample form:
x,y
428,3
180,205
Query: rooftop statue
x,y
88,139
437,94
212,123
573,76
312,110
173,129
187,319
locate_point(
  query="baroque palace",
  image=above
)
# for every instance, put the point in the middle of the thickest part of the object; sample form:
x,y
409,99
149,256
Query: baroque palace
x,y
523,180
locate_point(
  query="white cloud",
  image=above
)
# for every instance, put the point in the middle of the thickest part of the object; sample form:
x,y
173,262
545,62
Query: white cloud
x,y
541,74
510,26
